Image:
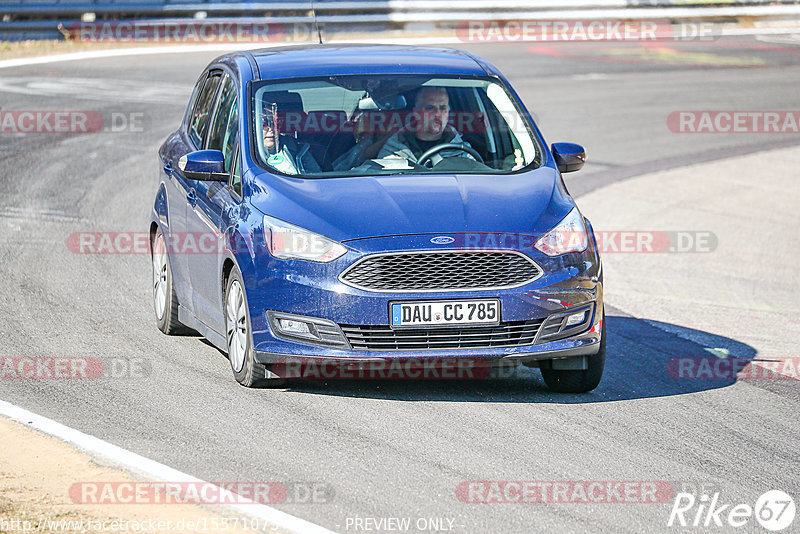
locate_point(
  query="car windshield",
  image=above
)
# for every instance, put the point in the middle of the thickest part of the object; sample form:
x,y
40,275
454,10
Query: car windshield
x,y
384,125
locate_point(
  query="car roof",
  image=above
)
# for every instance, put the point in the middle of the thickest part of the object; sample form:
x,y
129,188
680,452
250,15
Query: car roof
x,y
327,60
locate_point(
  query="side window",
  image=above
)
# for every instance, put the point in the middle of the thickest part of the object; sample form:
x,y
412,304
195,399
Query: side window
x,y
198,87
236,174
198,122
225,124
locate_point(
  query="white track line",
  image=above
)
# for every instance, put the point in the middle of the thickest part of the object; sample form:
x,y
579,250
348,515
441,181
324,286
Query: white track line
x,y
232,47
157,471
221,47
145,50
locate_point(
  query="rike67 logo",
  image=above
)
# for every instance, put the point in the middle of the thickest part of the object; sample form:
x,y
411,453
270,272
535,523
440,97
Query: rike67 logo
x,y
774,510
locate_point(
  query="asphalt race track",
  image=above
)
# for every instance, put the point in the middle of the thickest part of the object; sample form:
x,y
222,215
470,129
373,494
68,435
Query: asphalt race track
x,y
400,449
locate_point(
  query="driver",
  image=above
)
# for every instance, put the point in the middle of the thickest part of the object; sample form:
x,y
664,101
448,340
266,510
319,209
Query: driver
x,y
432,110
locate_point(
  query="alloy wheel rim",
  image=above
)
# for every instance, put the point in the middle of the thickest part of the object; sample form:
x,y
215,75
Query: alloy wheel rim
x,y
236,324
159,277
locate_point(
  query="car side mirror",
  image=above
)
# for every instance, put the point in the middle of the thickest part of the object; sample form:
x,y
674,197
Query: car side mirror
x,y
569,156
206,165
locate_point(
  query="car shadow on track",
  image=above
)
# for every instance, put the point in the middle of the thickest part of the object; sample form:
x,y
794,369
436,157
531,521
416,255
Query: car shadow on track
x,y
644,359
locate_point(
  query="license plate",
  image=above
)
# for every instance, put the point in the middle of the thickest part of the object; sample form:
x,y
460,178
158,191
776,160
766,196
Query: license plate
x,y
445,312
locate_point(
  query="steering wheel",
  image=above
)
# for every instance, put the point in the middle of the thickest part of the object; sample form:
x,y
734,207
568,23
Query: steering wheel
x,y
424,158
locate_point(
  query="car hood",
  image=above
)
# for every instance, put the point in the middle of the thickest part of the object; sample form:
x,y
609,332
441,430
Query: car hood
x,y
352,208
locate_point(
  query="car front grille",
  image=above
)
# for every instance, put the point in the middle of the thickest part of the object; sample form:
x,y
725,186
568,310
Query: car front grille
x,y
441,271
384,338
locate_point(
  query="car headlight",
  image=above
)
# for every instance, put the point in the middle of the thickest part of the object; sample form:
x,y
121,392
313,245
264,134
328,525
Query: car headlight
x,y
568,236
287,241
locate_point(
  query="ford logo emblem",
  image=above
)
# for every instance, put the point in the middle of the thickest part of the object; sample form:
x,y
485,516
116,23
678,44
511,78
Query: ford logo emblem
x,y
442,240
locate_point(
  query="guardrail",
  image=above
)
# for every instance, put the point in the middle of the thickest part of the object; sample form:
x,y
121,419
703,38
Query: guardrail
x,y
23,19
218,7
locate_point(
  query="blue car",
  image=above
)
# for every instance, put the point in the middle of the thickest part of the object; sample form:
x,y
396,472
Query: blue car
x,y
326,210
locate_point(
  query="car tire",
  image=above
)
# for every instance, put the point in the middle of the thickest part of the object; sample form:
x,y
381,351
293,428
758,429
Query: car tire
x,y
578,381
239,337
165,301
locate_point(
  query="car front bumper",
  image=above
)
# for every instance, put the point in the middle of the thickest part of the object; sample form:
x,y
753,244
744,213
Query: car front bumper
x,y
312,290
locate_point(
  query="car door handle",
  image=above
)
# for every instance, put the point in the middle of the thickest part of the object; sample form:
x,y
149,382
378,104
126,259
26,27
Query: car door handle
x,y
191,196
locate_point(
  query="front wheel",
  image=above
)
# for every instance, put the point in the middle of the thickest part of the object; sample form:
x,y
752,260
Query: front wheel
x,y
578,381
165,301
238,333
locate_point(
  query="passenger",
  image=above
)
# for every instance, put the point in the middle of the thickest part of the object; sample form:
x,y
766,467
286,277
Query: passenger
x,y
284,152
368,144
432,110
